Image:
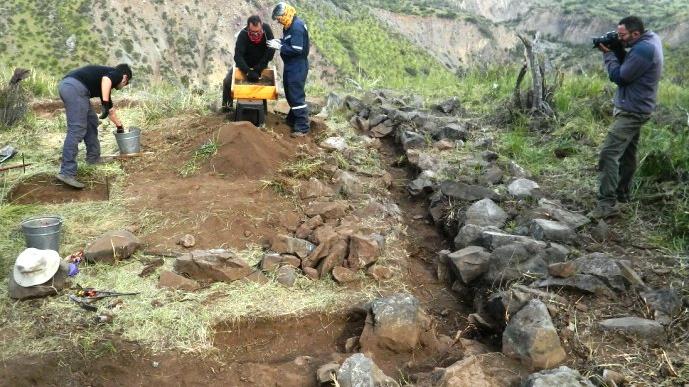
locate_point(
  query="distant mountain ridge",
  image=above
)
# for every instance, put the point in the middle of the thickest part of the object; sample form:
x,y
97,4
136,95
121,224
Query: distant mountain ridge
x,y
192,42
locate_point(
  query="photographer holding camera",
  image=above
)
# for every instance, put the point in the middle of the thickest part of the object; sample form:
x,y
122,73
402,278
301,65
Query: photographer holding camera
x,y
637,76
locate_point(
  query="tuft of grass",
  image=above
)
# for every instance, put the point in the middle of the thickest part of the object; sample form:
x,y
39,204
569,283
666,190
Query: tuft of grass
x,y
204,153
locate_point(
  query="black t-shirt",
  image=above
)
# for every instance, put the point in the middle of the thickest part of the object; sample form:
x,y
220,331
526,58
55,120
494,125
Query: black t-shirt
x,y
249,55
92,75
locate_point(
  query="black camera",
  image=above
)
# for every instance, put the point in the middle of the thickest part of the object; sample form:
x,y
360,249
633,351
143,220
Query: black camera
x,y
612,41
608,40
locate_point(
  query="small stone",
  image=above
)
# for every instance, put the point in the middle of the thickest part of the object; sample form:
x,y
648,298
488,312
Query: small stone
x,y
303,361
486,213
311,273
284,244
601,231
359,370
443,145
473,347
562,269
470,263
630,275
256,277
187,241
561,377
610,376
286,275
379,273
363,251
543,229
314,188
112,246
334,144
343,275
328,210
523,188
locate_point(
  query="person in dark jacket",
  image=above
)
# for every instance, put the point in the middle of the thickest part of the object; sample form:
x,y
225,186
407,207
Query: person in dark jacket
x,y
294,51
76,89
251,55
637,79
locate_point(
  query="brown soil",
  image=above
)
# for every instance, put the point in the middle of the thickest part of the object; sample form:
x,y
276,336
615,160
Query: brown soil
x,y
46,189
227,203
246,152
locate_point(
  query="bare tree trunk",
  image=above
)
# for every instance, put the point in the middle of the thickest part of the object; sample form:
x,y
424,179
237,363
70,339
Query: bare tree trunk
x,y
537,90
517,97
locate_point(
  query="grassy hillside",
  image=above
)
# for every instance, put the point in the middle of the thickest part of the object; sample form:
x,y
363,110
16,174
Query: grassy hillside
x,y
51,35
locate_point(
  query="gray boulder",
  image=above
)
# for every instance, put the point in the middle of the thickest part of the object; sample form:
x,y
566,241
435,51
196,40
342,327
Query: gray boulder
x,y
523,188
596,273
360,371
560,377
512,262
543,229
558,212
394,323
531,337
412,140
647,330
452,132
449,106
486,213
470,263
467,192
491,176
665,303
112,246
503,304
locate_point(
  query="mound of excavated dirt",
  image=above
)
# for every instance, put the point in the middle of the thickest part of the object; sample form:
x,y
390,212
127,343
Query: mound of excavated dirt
x,y
244,151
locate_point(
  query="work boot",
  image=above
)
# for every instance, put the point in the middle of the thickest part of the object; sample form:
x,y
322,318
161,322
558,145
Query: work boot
x,y
603,211
298,134
70,181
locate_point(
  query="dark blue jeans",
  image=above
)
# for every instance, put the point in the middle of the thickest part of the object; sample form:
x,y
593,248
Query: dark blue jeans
x,y
294,82
82,124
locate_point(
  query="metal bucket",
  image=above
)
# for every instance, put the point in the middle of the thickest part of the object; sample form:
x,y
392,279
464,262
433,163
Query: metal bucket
x,y
42,232
129,142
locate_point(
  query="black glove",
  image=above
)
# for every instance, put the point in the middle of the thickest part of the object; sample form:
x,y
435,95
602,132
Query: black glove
x,y
252,76
120,129
105,109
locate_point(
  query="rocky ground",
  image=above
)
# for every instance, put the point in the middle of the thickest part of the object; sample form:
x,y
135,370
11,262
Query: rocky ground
x,y
472,273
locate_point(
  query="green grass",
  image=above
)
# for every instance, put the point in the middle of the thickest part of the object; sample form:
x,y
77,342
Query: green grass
x,y
204,153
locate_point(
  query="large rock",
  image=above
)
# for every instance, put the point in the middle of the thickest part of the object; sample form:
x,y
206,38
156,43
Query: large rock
x,y
314,188
471,234
336,257
647,330
596,273
452,131
665,303
395,323
360,371
412,140
363,251
560,377
51,287
175,281
487,370
531,337
212,265
283,244
462,191
543,229
503,304
348,184
334,144
486,213
470,263
523,188
514,261
112,246
328,210
558,212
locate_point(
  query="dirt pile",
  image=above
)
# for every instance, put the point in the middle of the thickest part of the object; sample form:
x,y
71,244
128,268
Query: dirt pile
x,y
244,151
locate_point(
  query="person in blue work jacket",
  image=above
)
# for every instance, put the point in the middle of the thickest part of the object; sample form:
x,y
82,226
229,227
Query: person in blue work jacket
x,y
294,51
